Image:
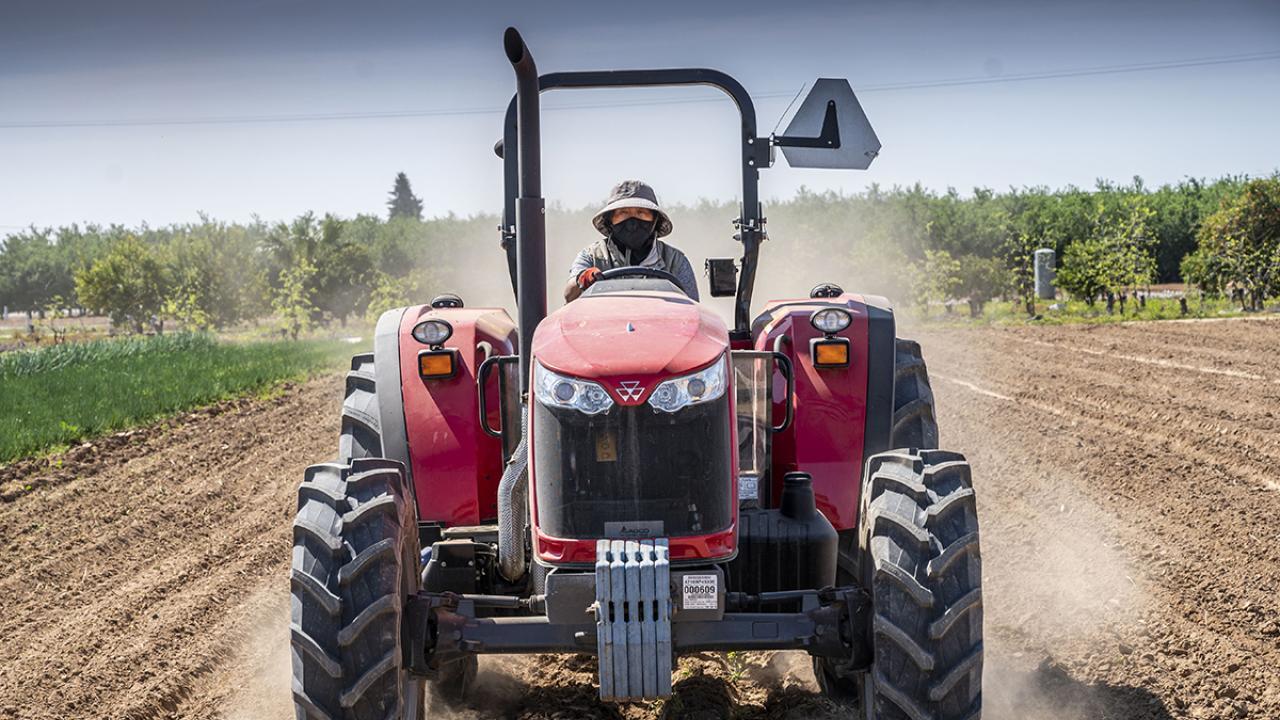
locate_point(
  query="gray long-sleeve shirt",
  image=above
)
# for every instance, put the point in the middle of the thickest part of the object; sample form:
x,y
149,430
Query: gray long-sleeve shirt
x,y
606,256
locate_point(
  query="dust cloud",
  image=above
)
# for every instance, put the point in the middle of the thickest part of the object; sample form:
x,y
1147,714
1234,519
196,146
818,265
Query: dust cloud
x,y
1058,583
795,258
1054,582
261,667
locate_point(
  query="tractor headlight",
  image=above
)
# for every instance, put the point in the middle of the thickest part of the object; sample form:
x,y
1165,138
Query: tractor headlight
x,y
432,332
702,386
558,391
831,320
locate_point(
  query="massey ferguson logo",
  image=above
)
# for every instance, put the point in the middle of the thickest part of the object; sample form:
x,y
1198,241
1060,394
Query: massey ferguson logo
x,y
630,390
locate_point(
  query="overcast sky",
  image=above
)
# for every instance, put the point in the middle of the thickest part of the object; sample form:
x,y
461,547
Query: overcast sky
x,y
133,111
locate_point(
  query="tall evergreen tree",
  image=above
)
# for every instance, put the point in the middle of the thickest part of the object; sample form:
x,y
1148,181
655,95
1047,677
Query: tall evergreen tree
x,y
403,202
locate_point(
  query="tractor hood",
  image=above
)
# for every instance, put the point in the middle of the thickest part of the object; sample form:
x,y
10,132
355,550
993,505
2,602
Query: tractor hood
x,y
630,336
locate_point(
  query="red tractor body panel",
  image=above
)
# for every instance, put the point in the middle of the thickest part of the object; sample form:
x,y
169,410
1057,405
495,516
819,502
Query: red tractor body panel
x,y
642,337
456,466
826,437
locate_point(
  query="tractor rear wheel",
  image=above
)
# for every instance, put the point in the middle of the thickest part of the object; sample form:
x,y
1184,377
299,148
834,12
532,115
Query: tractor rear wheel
x,y
915,425
361,423
922,567
362,438
355,561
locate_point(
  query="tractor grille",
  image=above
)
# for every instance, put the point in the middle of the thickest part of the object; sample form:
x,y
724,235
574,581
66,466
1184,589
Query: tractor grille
x,y
633,472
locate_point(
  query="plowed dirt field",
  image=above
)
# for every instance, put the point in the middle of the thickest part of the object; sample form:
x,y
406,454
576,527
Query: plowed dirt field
x,y
1129,489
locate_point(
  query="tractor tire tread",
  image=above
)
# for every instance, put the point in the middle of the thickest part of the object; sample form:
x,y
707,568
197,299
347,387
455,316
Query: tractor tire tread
x,y
915,422
939,565
942,625
327,599
927,597
366,559
357,691
379,607
885,628
309,645
354,534
309,709
366,511
322,535
361,434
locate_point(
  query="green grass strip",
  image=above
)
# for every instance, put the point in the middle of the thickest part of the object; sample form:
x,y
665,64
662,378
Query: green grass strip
x,y
67,393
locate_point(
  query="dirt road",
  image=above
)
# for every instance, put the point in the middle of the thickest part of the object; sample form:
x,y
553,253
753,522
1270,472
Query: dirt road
x,y
1128,497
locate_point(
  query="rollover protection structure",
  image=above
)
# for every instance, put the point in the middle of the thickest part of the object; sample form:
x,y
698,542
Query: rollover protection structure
x,y
631,478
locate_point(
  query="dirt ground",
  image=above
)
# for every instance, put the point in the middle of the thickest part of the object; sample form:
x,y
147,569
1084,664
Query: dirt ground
x,y
1128,498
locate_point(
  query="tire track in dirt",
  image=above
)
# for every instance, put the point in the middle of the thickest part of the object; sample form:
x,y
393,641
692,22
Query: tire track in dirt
x,y
1176,468
128,588
1132,554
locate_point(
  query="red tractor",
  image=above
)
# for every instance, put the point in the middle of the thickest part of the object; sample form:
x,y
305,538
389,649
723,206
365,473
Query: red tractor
x,y
630,478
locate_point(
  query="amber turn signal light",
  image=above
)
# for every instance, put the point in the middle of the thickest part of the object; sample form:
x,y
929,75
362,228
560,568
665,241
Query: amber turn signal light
x,y
830,352
437,363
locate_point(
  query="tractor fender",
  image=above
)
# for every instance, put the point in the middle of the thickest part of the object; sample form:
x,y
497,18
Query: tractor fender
x,y
434,423
386,370
842,415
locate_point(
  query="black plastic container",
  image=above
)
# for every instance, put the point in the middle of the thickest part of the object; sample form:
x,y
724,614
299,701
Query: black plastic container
x,y
792,547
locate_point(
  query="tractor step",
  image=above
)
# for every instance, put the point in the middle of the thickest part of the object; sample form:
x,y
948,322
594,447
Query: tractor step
x,y
633,619
475,533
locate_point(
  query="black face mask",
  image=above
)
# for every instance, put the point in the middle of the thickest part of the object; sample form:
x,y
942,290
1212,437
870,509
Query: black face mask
x,y
632,233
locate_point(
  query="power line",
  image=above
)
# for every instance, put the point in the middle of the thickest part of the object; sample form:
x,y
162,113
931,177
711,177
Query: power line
x,y
1080,72
457,112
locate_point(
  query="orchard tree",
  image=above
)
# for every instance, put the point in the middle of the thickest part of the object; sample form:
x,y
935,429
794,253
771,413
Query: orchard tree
x,y
293,299
1240,244
1116,258
390,292
32,273
980,280
129,284
1130,261
403,203
1020,252
216,274
936,279
1083,271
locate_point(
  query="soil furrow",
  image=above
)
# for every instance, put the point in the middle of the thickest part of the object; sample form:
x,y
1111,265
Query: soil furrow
x,y
1131,547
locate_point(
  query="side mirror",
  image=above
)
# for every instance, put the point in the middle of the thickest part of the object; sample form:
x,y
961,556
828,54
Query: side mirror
x,y
723,273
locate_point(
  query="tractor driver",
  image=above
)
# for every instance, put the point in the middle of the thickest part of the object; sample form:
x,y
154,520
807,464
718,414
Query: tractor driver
x,y
631,223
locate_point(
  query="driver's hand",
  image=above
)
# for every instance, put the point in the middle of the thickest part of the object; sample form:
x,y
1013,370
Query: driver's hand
x,y
587,277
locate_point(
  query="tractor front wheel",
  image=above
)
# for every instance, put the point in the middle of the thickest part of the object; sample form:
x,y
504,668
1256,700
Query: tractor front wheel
x,y
922,566
355,561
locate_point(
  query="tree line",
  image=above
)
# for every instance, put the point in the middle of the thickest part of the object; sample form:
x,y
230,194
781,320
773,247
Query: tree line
x,y
913,244
211,274
910,243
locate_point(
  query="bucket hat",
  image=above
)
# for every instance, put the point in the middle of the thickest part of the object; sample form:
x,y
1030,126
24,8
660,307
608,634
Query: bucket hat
x,y
636,194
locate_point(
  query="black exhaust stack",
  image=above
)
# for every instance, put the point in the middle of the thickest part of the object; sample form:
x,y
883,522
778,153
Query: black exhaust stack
x,y
531,222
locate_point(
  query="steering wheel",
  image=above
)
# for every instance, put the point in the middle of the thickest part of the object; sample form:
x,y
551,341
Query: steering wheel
x,y
637,271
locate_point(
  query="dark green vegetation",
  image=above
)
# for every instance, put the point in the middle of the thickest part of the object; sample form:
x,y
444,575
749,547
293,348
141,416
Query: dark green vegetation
x,y
915,245
403,203
65,393
1240,246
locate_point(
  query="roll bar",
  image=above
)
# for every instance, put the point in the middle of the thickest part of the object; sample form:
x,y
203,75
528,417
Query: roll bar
x,y
519,150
